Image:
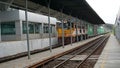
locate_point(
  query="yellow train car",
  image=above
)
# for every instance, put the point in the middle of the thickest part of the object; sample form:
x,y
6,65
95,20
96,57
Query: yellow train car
x,y
69,30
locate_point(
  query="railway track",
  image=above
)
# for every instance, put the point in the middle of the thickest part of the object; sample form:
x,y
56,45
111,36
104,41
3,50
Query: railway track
x,y
67,61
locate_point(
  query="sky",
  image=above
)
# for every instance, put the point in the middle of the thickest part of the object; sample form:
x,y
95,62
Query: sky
x,y
106,9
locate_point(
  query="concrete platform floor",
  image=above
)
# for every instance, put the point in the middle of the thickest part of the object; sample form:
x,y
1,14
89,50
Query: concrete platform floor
x,y
110,57
24,62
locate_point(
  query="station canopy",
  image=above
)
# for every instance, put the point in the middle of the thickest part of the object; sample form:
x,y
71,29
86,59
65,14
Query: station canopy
x,y
77,8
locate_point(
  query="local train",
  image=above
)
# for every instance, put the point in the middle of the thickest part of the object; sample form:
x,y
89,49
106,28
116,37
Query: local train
x,y
71,29
82,30
13,32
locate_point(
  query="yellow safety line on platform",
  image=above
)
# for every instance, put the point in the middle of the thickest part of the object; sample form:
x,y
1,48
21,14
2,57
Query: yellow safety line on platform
x,y
103,62
104,59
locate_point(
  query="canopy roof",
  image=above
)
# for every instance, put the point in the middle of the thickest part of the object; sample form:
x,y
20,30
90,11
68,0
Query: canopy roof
x,y
77,8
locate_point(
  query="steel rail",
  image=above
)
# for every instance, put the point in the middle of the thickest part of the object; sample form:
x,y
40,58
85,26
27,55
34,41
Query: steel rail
x,y
99,44
58,65
39,64
56,56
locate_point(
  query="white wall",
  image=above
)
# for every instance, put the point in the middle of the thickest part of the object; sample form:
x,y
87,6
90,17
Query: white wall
x,y
15,47
33,17
20,15
9,16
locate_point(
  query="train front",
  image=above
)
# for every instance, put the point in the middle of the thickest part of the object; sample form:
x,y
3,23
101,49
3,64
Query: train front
x,y
67,32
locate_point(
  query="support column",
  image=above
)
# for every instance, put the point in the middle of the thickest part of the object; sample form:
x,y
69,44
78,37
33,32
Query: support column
x,y
41,30
49,26
81,31
71,33
0,31
27,35
85,30
77,29
95,30
62,29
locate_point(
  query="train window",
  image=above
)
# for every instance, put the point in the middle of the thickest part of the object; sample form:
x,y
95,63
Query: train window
x,y
31,28
46,28
52,28
80,31
59,25
38,27
65,25
84,31
72,25
75,26
68,23
24,28
8,28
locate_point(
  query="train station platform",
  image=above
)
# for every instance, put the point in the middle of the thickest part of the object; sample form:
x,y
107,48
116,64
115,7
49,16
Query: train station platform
x,y
23,62
110,57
